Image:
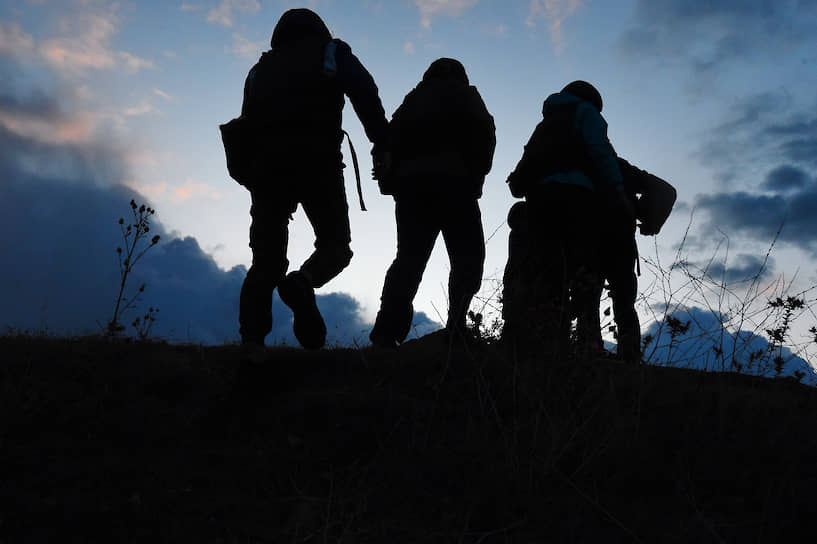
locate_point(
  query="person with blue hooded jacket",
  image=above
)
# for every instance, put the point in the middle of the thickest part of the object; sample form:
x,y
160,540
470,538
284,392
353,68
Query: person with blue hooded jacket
x,y
569,176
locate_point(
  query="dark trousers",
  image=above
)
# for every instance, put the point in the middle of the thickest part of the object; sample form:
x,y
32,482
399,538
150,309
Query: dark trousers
x,y
562,222
323,198
419,222
519,277
619,257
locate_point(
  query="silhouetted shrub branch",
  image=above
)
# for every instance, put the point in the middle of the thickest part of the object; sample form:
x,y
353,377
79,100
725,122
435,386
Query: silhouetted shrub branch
x,y
135,245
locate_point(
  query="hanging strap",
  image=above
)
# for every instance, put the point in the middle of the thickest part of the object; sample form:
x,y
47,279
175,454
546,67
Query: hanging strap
x,y
357,171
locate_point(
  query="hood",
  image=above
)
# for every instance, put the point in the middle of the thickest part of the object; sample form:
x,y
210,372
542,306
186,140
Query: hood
x,y
445,68
559,99
297,24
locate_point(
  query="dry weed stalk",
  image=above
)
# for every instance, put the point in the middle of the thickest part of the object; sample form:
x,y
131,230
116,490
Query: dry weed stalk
x,y
134,236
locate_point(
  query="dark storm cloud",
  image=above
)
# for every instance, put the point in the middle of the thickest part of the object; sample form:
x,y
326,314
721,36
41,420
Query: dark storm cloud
x,y
767,150
798,138
36,104
786,178
744,268
761,133
707,33
760,216
59,211
19,97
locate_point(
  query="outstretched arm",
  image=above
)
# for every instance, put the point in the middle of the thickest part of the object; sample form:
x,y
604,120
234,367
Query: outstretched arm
x,y
360,87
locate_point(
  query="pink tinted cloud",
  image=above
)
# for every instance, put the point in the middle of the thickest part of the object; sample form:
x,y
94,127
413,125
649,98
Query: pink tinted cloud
x,y
555,12
14,42
224,13
432,8
78,129
86,44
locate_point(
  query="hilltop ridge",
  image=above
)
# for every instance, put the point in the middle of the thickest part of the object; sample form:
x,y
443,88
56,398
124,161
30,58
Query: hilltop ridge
x,y
118,441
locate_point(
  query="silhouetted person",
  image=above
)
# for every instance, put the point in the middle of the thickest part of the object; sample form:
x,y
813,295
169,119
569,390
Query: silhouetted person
x,y
569,177
295,94
443,141
652,199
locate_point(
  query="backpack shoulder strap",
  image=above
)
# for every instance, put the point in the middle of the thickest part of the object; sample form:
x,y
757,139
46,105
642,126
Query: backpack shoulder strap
x,y
357,171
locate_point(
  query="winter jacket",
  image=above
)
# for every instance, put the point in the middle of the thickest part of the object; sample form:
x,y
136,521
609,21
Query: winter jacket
x,y
569,145
443,139
294,94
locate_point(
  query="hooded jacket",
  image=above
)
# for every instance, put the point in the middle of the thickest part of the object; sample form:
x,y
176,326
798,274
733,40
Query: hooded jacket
x,y
295,92
569,145
443,137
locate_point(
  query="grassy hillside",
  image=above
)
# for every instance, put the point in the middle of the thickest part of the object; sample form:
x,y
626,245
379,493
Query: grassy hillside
x,y
119,442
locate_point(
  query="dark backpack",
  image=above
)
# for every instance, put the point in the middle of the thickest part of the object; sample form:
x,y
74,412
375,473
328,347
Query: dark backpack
x,y
287,92
240,139
657,197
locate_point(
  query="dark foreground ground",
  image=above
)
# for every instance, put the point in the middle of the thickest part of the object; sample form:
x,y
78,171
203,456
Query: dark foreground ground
x,y
124,442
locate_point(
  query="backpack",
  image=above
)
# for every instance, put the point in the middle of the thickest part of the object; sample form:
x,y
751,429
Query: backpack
x,y
243,137
657,198
240,139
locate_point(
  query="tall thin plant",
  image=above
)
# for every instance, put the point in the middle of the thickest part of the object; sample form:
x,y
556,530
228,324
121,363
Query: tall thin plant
x,y
135,245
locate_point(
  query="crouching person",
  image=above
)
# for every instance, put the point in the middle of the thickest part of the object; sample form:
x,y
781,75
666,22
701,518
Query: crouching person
x,y
443,141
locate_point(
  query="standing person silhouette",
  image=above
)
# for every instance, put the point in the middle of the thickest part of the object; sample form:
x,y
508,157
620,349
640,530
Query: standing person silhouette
x,y
443,141
569,176
294,96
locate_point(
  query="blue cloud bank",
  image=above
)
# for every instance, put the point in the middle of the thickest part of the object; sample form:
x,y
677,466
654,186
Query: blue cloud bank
x,y
707,345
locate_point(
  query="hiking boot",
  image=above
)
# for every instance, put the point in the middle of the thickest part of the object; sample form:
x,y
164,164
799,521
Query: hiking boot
x,y
307,323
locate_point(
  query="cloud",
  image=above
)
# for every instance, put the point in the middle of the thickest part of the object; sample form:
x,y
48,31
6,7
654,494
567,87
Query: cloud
x,y
86,44
797,137
433,8
743,269
765,154
497,30
60,201
409,48
761,132
191,189
555,12
164,95
786,178
707,345
143,108
30,113
759,216
245,48
14,42
187,7
709,34
133,63
224,13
